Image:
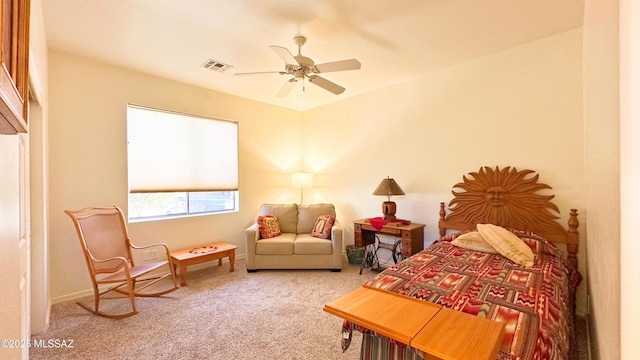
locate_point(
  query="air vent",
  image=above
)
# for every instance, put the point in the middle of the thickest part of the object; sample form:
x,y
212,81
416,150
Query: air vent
x,y
216,65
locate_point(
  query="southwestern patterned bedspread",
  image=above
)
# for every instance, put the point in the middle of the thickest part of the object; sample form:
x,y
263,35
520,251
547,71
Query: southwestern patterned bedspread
x,y
531,301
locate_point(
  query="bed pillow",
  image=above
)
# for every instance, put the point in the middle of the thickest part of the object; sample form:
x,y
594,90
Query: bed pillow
x,y
269,226
452,236
322,228
473,241
507,244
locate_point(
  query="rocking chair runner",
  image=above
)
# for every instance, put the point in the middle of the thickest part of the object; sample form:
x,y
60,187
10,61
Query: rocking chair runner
x,y
107,250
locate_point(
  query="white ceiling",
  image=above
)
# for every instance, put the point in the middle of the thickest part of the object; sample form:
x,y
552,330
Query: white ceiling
x,y
395,40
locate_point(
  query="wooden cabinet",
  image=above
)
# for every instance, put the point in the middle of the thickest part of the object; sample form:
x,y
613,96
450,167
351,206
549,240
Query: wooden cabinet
x,y
14,72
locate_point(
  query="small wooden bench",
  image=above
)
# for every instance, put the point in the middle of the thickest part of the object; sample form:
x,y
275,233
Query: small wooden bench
x,y
200,254
440,332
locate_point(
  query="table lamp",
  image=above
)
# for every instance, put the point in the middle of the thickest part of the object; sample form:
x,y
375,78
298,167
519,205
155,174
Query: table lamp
x,y
388,187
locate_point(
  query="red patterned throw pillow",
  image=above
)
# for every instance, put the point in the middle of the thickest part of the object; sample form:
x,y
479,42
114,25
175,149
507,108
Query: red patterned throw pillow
x,y
322,228
269,226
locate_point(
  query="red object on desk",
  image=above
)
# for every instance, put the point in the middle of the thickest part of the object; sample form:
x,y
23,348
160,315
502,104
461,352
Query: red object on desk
x,y
379,222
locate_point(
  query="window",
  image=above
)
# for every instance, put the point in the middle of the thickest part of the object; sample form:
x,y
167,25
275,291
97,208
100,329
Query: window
x,y
180,164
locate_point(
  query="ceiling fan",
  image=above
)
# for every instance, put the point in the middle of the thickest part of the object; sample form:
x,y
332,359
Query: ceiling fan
x,y
302,67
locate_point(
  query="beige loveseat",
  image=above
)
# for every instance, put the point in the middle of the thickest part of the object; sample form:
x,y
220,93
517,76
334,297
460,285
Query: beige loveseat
x,y
295,248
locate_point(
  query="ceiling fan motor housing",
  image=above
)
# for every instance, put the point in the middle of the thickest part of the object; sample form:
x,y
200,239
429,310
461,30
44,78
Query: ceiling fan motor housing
x,y
305,65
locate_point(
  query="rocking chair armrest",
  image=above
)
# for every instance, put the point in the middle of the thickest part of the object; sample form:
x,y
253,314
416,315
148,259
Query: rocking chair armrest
x,y
123,263
120,258
166,248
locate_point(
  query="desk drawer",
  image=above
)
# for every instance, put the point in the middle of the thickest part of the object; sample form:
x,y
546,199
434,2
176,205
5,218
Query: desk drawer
x,y
407,248
389,230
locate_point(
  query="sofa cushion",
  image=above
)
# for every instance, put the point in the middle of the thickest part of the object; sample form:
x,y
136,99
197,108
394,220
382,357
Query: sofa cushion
x,y
306,244
308,214
279,245
269,226
287,215
322,228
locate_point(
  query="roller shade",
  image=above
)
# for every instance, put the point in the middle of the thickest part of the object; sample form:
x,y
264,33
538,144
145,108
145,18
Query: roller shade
x,y
177,152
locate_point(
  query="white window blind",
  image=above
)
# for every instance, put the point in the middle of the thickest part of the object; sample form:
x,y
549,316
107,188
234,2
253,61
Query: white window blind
x,y
177,152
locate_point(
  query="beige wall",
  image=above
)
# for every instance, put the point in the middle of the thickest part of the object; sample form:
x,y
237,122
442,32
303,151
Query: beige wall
x,y
629,176
520,107
88,165
602,173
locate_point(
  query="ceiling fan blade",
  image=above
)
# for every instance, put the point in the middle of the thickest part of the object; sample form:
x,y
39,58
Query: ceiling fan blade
x,y
261,73
326,84
351,64
286,89
285,54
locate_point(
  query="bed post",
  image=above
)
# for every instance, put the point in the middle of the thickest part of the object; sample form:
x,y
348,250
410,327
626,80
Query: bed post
x,y
573,238
572,250
441,227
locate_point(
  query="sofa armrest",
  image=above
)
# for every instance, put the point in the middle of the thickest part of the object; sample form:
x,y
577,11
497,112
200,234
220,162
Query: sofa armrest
x,y
337,243
251,236
336,232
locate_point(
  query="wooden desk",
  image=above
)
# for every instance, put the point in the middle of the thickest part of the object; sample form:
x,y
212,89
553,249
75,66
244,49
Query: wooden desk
x,y
200,254
412,235
440,332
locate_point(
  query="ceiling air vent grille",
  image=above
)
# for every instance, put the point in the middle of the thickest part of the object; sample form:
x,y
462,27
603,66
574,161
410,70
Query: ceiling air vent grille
x,y
216,65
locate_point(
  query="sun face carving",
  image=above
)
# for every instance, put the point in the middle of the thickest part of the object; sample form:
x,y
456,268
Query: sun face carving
x,y
497,196
505,197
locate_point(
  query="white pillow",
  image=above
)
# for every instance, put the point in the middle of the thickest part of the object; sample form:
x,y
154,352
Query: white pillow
x,y
473,241
507,244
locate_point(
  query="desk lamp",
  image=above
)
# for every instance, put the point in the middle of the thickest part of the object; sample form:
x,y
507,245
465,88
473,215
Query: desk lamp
x,y
388,187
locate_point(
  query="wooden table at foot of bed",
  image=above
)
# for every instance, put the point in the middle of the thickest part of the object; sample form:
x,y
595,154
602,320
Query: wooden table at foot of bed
x,y
200,254
439,332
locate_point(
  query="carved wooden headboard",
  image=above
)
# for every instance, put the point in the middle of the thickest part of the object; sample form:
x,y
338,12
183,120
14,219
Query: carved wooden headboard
x,y
508,198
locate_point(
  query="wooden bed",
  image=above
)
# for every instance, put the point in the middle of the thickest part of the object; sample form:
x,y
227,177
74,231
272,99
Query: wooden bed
x,y
536,304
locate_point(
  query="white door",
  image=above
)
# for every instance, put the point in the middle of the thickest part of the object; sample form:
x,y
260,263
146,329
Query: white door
x,y
14,246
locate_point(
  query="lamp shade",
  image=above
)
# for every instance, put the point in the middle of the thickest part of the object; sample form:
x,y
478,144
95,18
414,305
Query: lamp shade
x,y
388,187
302,179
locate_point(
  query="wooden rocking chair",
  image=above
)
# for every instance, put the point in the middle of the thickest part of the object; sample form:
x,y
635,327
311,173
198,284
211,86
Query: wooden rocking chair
x,y
107,250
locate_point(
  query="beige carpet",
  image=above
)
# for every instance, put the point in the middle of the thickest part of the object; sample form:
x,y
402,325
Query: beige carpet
x,y
218,315
222,315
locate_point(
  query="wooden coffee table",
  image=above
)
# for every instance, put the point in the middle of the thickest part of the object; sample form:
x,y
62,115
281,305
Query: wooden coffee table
x,y
200,254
